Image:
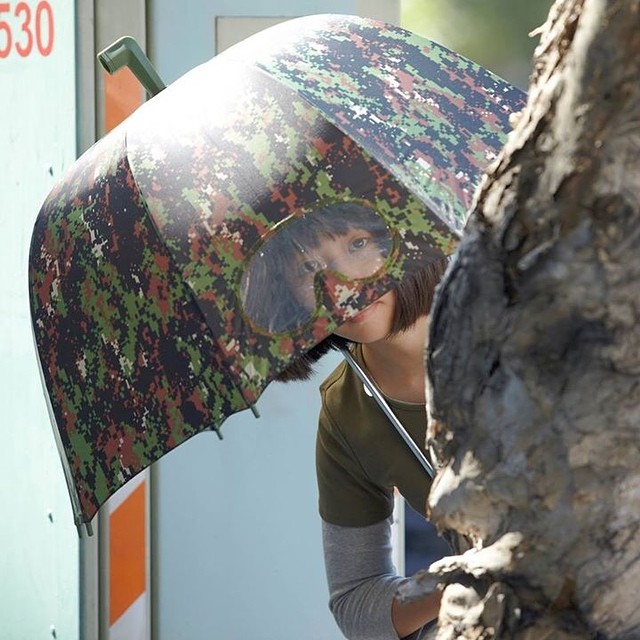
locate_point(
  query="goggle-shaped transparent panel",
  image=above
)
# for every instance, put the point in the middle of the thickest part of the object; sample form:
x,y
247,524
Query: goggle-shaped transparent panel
x,y
281,287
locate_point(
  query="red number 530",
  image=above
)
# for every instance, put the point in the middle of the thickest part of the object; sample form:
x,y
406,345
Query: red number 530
x,y
32,29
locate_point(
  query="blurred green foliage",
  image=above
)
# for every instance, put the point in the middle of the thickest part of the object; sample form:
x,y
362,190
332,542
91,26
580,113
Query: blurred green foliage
x,y
494,33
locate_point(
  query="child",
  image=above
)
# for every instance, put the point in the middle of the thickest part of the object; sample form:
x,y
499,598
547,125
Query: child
x,y
360,458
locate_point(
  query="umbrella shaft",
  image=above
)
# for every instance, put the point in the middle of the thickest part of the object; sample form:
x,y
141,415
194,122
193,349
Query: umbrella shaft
x,y
384,405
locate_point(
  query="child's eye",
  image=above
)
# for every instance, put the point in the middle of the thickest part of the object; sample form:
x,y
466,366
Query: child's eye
x,y
357,244
310,266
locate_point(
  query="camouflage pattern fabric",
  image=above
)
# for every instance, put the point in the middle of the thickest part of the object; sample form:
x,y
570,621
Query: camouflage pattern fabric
x,y
130,366
137,255
434,119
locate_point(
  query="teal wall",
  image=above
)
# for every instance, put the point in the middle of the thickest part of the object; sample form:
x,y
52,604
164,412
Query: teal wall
x,y
38,541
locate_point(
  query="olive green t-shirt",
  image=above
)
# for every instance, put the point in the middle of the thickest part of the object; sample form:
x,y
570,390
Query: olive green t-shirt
x,y
360,457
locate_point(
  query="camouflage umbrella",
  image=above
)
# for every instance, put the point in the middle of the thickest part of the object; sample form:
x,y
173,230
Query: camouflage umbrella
x,y
142,255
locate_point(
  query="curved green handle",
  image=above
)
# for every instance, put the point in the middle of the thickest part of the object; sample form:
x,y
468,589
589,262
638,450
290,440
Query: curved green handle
x,y
126,52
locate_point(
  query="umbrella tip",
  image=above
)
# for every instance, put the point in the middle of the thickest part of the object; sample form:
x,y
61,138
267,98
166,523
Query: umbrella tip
x,y
84,527
126,52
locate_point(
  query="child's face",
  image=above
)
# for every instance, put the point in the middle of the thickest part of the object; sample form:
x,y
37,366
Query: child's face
x,y
355,254
342,251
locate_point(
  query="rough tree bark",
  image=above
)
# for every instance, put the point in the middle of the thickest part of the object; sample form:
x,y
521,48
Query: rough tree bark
x,y
534,356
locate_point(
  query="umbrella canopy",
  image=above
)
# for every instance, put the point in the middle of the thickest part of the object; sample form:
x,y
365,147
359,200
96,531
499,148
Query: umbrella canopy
x,y
153,260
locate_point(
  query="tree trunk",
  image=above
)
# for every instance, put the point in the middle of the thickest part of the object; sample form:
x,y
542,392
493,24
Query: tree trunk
x,y
534,356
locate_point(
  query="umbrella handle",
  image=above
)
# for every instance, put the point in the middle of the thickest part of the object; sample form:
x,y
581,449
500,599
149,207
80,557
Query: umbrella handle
x,y
126,52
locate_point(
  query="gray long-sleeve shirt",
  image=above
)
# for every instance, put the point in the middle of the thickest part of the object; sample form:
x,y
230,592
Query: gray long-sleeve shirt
x,y
362,581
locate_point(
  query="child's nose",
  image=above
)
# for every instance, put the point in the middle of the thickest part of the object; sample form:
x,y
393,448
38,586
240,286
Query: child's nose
x,y
359,266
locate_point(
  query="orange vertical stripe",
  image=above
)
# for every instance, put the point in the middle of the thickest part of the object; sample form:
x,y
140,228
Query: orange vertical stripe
x,y
123,95
127,557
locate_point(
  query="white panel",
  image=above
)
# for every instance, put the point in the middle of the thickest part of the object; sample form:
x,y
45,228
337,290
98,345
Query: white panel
x,y
134,623
236,531
122,494
230,30
39,559
385,10
238,547
397,534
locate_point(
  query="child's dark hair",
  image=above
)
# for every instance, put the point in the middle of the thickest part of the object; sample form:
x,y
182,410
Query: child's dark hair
x,y
414,297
